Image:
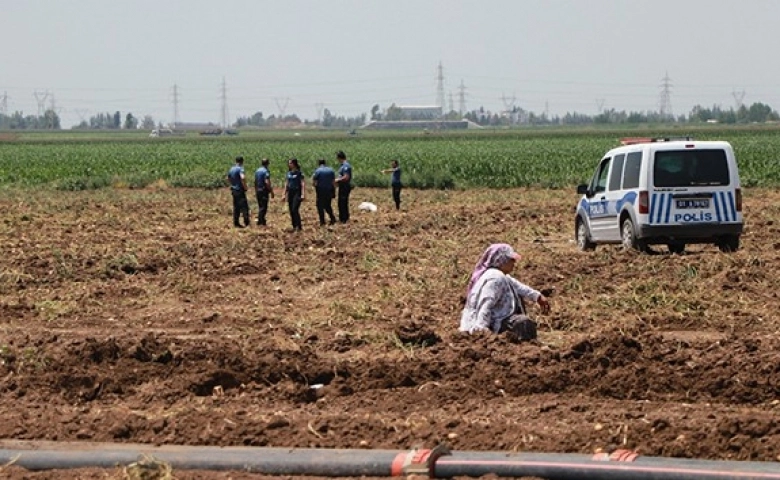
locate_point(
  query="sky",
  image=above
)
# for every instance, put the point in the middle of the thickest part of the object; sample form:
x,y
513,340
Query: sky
x,y
185,59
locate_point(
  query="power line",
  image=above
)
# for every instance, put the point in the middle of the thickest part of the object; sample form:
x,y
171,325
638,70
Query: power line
x,y
41,97
509,103
462,98
53,105
738,98
175,105
223,98
665,102
440,87
281,104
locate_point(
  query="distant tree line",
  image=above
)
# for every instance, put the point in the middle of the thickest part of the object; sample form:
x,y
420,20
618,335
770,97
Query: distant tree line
x,y
19,121
328,120
755,113
115,121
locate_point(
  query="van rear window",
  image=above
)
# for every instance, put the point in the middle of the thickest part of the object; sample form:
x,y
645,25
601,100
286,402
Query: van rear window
x,y
690,168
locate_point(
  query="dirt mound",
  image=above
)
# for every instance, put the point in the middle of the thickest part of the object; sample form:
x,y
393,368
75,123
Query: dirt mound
x,y
126,323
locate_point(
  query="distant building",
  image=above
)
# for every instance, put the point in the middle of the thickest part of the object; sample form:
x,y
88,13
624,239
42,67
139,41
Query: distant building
x,y
420,112
195,126
420,125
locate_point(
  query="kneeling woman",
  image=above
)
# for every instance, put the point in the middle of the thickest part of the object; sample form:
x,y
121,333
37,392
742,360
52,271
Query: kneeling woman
x,y
494,300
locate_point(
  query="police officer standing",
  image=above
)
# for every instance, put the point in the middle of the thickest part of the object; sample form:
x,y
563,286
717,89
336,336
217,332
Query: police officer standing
x,y
293,192
264,190
395,182
344,182
324,181
238,188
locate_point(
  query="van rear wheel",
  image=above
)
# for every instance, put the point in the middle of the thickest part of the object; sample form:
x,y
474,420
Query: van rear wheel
x,y
729,243
629,238
676,248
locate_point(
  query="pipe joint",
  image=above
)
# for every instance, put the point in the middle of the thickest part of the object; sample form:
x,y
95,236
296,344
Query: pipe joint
x,y
419,461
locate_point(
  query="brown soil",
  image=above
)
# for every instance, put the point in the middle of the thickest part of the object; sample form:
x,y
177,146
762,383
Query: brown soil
x,y
142,316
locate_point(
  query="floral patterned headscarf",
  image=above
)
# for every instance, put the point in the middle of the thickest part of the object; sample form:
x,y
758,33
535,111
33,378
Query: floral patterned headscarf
x,y
496,255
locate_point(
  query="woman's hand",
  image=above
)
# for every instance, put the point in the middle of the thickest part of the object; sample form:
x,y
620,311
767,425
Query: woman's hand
x,y
543,304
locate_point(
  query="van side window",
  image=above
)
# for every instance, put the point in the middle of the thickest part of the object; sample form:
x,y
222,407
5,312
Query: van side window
x,y
600,180
632,169
616,177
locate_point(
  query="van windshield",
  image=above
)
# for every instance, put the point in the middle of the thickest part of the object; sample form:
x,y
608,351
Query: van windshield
x,y
689,168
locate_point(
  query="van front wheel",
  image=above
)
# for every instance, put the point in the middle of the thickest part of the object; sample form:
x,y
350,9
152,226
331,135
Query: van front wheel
x,y
583,236
629,239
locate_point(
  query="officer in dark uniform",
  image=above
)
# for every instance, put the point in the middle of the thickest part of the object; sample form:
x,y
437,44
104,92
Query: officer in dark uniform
x,y
264,190
395,182
238,188
344,182
324,181
293,192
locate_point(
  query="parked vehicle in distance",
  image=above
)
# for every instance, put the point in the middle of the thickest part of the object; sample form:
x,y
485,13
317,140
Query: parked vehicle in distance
x,y
161,132
669,191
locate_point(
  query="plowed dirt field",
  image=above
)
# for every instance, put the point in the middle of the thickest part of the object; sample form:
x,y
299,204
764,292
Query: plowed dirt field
x,y
143,316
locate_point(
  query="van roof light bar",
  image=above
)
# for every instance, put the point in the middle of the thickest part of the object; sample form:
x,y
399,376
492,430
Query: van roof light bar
x,y
638,140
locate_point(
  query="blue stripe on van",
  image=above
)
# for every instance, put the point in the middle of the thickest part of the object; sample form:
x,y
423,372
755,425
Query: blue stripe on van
x,y
653,202
660,198
668,207
732,206
717,200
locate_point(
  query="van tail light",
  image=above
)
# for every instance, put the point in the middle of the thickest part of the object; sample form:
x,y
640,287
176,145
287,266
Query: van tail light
x,y
738,198
644,204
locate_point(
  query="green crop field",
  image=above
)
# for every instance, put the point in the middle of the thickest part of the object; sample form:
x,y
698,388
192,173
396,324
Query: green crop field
x,y
552,158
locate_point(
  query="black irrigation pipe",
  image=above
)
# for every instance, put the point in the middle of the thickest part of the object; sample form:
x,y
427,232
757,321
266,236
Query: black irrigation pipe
x,y
436,463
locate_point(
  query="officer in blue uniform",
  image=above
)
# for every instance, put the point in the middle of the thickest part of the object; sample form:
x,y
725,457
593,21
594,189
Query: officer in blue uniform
x,y
264,190
324,181
293,192
395,182
344,183
238,188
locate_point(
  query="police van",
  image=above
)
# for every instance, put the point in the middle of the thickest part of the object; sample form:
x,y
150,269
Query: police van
x,y
667,191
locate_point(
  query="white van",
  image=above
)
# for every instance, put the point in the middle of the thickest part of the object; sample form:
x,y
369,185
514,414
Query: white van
x,y
665,191
162,132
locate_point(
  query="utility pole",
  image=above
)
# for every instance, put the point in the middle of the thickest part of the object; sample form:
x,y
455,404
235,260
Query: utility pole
x,y
461,98
223,98
281,104
175,105
600,105
81,112
509,103
4,104
41,97
738,98
440,88
452,103
53,105
319,107
665,102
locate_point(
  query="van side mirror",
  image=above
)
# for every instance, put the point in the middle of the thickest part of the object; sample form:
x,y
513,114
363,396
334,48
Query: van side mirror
x,y
582,189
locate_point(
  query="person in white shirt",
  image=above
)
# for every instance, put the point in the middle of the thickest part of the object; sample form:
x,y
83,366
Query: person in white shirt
x,y
495,300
